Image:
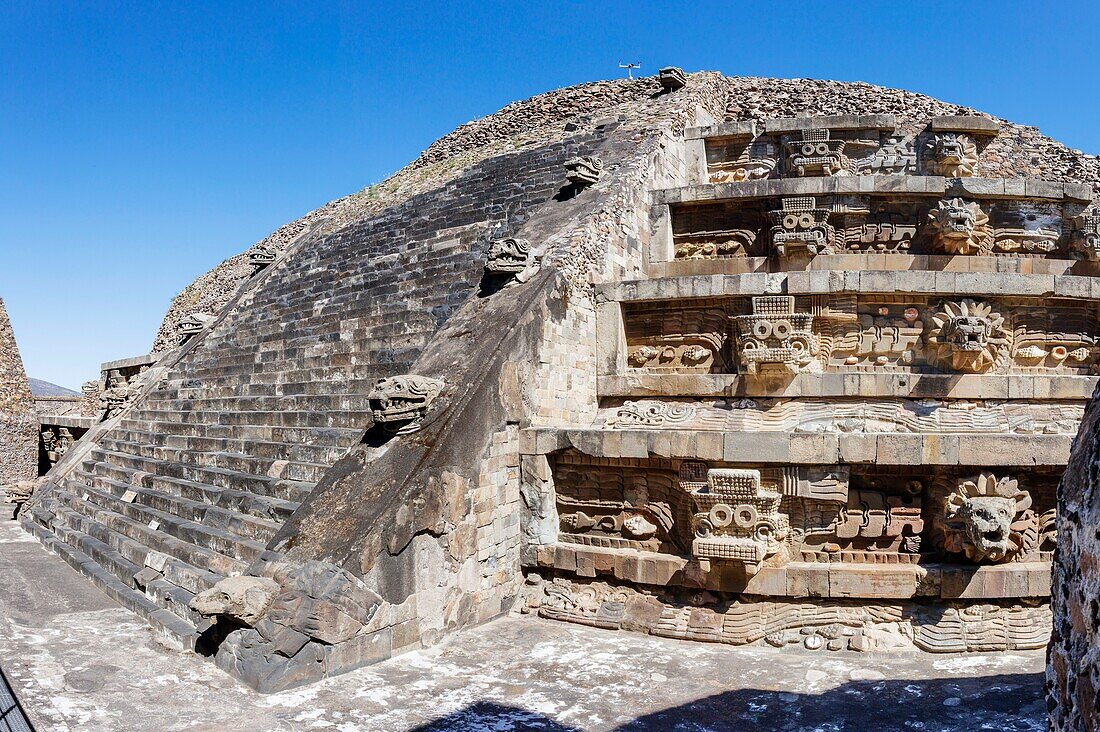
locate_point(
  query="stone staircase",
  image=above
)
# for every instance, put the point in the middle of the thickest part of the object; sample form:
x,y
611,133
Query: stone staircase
x,y
190,483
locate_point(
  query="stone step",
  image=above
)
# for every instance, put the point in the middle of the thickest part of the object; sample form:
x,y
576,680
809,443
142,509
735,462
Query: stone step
x,y
208,450
244,525
343,419
287,402
204,547
121,466
166,609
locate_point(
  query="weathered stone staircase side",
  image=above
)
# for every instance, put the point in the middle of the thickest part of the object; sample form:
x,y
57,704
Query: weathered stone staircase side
x,y
195,479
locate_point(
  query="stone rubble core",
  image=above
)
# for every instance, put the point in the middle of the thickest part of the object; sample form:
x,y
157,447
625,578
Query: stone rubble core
x,y
662,363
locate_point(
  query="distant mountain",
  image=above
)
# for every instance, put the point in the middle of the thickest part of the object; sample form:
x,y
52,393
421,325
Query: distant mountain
x,y
45,388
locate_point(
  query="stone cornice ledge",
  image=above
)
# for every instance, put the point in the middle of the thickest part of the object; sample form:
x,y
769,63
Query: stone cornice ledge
x,y
920,185
806,448
852,384
820,282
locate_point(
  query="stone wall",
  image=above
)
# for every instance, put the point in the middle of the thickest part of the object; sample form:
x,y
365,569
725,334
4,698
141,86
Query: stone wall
x,y
18,427
1073,659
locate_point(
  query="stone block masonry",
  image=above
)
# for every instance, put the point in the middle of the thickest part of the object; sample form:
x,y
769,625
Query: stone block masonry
x,y
743,361
18,425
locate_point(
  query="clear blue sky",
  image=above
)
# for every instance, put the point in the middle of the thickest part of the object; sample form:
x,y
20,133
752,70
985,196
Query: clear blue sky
x,y
143,142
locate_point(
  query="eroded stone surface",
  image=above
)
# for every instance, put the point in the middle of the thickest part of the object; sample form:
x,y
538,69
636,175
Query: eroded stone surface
x,y
74,658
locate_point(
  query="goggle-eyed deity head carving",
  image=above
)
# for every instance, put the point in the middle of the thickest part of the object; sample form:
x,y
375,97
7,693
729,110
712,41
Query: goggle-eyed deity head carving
x,y
1086,235
951,154
816,154
775,337
800,227
959,227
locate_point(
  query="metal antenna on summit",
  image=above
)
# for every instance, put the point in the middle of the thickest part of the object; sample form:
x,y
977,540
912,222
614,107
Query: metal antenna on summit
x,y
629,69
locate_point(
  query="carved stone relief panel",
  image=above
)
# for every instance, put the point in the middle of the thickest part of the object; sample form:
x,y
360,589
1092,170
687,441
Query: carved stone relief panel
x,y
755,517
912,416
622,504
783,334
736,159
683,339
718,230
806,226
1085,240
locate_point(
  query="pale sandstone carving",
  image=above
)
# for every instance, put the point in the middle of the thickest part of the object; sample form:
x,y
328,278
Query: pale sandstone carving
x,y
951,154
775,337
398,403
738,520
1085,239
983,628
816,153
960,227
244,599
584,171
262,255
1012,240
652,414
987,519
193,324
672,78
967,335
800,227
716,244
116,395
512,258
756,161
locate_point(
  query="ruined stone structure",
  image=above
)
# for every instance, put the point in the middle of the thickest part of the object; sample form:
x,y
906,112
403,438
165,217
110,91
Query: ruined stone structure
x,y
18,433
733,360
1073,659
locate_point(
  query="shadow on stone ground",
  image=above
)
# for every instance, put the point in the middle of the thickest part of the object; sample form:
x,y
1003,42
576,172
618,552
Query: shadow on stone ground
x,y
1006,702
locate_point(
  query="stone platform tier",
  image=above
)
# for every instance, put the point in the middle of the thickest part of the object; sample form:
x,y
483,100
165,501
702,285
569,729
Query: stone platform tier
x,y
796,380
839,398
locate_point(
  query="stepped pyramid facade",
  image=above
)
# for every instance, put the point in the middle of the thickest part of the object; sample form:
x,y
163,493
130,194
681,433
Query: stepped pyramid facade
x,y
732,360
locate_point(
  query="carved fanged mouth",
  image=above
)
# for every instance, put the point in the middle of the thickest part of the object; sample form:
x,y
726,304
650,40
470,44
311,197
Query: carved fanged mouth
x,y
507,263
395,408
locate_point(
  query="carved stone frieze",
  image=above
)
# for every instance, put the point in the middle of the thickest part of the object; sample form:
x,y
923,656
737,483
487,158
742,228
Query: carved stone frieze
x,y
848,332
960,227
754,160
672,78
775,337
806,624
951,154
652,414
801,228
584,171
986,520
512,258
1085,239
923,416
815,152
967,336
398,403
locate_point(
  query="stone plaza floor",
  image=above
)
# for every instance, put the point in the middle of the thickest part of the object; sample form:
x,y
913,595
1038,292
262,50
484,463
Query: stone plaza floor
x,y
80,662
